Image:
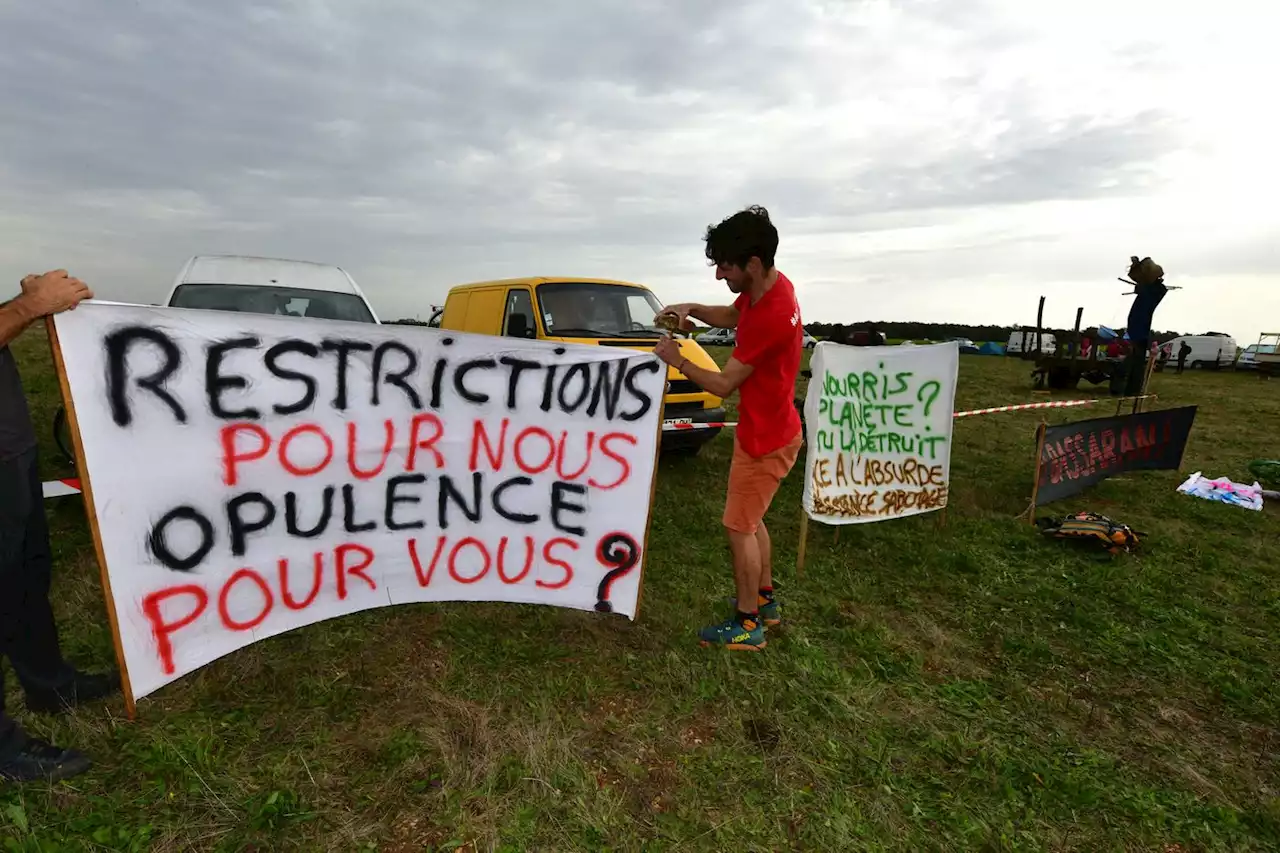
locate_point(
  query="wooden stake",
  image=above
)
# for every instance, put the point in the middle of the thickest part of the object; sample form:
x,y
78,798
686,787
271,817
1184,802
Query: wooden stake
x,y
86,488
804,542
653,491
1039,327
1141,404
1035,488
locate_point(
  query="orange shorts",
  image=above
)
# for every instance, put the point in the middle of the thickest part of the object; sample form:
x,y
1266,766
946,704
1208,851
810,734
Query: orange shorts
x,y
753,483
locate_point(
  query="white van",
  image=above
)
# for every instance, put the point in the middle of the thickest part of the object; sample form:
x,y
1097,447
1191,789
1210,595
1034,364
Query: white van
x,y
1047,343
1208,352
270,286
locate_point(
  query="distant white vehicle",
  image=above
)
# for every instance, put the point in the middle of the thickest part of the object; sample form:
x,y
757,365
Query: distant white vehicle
x,y
718,337
270,286
810,341
1208,352
1248,359
1266,352
1047,343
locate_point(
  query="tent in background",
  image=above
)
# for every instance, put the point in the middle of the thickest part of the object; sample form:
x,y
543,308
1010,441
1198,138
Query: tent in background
x,y
991,348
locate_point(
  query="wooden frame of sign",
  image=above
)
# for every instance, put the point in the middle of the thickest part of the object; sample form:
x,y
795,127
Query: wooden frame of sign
x,y
653,492
801,547
86,436
1030,512
86,490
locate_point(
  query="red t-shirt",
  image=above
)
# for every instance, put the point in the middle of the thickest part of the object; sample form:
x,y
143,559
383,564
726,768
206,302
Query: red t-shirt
x,y
770,338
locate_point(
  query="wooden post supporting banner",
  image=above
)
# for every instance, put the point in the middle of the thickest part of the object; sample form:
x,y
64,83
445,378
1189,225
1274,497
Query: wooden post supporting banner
x,y
804,542
1140,404
1035,487
86,488
1039,328
653,491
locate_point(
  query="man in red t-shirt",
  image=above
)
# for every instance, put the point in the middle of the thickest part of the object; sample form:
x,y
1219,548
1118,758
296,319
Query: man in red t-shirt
x,y
763,369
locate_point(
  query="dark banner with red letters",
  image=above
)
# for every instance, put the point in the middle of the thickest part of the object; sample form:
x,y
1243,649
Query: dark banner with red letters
x,y
1077,455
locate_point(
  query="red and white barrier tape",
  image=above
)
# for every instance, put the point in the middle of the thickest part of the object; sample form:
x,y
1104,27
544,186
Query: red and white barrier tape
x,y
1057,404
71,486
1053,404
60,488
673,426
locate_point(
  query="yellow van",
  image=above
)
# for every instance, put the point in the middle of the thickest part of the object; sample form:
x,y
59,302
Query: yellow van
x,y
587,311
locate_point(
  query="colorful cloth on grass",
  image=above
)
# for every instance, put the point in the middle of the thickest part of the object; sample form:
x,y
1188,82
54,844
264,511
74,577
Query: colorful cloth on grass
x,y
1223,491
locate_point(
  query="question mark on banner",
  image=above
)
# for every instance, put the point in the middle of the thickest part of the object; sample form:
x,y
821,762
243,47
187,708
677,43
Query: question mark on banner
x,y
621,552
933,395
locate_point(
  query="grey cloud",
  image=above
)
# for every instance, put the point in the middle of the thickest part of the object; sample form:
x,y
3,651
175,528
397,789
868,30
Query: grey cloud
x,y
422,143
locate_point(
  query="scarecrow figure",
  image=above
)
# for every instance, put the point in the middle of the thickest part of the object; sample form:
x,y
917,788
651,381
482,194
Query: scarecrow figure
x,y
1149,289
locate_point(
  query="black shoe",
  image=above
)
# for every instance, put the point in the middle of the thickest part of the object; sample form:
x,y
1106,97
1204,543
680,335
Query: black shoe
x,y
84,687
39,761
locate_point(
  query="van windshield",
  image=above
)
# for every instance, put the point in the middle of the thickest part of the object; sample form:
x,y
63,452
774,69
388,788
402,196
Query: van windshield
x,y
287,301
608,310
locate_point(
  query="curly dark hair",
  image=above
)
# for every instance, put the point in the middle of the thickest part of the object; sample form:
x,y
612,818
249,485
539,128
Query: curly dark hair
x,y
745,235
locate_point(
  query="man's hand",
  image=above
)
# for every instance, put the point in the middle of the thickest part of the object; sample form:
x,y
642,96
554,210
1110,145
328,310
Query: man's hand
x,y
53,292
669,351
680,312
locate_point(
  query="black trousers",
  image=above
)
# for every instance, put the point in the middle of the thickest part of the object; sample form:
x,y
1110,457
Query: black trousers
x,y
1135,369
28,634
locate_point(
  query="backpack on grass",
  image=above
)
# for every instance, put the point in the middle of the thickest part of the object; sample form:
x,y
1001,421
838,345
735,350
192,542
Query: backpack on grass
x,y
1091,528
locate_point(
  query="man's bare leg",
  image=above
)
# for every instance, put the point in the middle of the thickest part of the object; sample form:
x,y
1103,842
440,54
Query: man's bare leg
x,y
765,545
746,568
745,630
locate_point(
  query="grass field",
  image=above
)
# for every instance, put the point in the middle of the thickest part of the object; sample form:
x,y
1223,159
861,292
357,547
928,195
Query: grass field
x,y
970,687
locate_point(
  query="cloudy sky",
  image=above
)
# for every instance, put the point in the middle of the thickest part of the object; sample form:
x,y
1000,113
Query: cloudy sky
x,y
923,159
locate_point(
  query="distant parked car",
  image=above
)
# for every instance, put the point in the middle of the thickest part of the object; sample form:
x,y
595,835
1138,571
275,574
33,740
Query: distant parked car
x,y
810,341
1253,354
966,345
718,337
270,286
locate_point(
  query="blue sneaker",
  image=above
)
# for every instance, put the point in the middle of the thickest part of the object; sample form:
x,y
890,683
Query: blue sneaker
x,y
770,611
747,636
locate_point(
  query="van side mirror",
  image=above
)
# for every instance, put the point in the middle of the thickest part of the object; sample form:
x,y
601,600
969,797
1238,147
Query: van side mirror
x,y
518,326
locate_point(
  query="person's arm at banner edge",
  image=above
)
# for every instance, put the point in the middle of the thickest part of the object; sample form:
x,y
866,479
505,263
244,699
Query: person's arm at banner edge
x,y
41,296
15,316
721,383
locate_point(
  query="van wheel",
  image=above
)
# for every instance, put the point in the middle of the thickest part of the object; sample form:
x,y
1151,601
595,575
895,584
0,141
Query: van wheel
x,y
1197,365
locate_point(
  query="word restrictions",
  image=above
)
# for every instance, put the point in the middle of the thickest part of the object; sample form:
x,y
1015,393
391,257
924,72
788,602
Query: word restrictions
x,y
251,474
878,431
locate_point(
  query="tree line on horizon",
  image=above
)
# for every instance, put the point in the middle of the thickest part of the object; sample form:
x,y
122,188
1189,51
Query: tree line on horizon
x,y
909,331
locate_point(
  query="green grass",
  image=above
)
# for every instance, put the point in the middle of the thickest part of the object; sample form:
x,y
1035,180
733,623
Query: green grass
x,y
967,687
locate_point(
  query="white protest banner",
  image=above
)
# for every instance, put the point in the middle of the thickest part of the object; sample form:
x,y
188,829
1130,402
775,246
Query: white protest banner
x,y
252,474
878,431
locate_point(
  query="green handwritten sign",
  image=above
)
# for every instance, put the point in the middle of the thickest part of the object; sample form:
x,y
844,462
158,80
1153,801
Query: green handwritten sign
x,y
879,431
